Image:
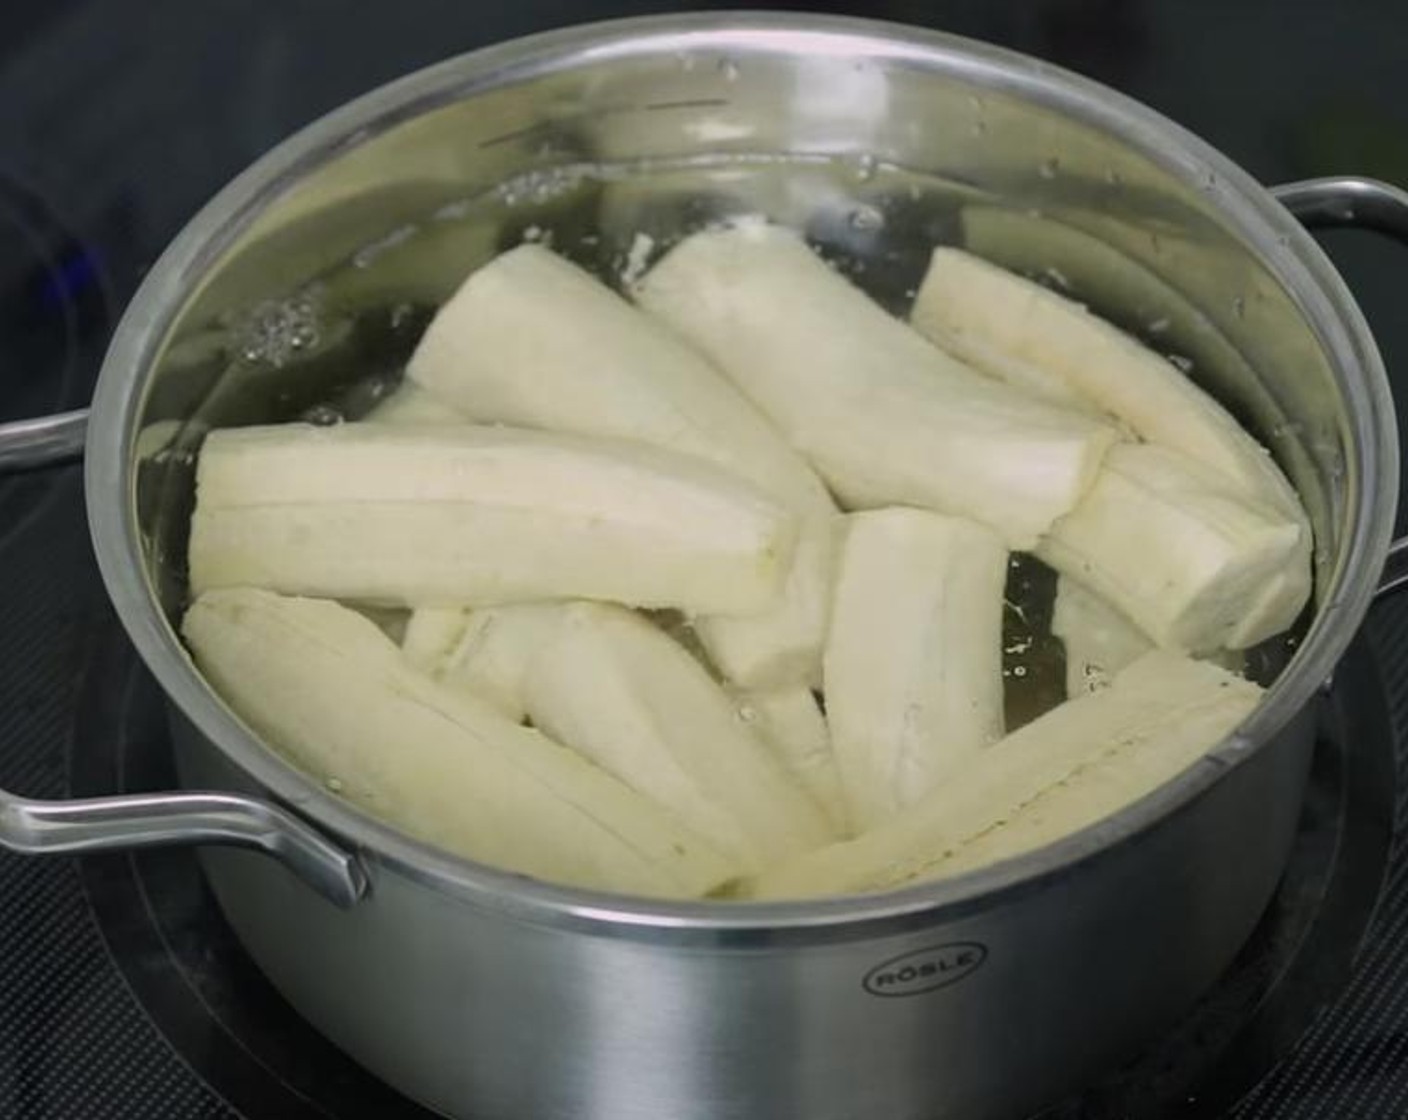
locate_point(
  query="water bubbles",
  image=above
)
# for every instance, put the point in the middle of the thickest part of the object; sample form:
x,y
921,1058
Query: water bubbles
x,y
1113,177
866,164
452,211
637,258
979,126
1181,361
1239,307
1159,325
1049,167
322,416
364,256
401,315
1057,278
275,330
335,785
747,713
540,185
866,219
728,69
1096,677
379,388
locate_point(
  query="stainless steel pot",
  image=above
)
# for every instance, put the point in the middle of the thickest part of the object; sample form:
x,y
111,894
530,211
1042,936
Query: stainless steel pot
x,y
485,994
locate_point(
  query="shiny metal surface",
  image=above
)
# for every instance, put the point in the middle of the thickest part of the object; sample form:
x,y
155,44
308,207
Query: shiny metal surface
x,y
487,994
106,824
1395,577
42,442
1350,201
1347,200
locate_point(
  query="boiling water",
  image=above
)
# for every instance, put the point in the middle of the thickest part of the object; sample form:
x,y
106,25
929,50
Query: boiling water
x,y
331,350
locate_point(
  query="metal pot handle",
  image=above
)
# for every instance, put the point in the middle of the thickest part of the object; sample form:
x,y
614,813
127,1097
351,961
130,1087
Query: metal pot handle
x,y
105,824
1352,201
48,441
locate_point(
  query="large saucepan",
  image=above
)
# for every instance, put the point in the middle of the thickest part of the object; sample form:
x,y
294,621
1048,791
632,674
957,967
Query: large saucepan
x,y
487,995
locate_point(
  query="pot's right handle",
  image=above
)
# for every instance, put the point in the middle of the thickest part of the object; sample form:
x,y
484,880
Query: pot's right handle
x,y
106,824
1351,201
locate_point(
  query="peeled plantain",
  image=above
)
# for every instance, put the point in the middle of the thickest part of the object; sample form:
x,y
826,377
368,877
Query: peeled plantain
x,y
406,515
1082,761
483,650
532,339
612,685
1030,331
326,688
1165,541
886,417
913,667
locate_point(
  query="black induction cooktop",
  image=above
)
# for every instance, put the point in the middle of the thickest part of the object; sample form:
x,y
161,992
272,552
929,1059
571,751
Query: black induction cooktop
x,y
123,993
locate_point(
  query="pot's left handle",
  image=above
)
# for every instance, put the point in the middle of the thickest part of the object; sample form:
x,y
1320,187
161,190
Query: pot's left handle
x,y
107,824
1352,201
48,441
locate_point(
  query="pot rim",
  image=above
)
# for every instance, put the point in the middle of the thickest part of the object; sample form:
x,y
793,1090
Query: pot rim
x,y
1290,252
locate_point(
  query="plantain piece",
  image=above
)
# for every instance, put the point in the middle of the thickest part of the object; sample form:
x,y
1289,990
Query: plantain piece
x,y
1280,601
1031,378
1165,542
965,297
617,689
531,339
791,722
408,403
1099,641
913,665
884,416
1093,253
483,650
1081,762
464,515
431,631
431,636
327,690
